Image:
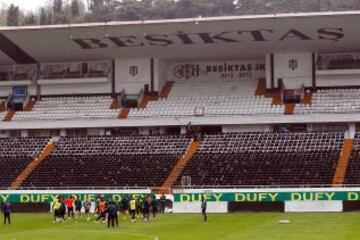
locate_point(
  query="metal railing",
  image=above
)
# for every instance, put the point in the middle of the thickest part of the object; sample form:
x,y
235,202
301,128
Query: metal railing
x,y
300,186
79,188
178,187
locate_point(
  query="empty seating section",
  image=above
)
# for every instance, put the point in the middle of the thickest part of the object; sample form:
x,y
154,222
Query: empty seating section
x,y
208,106
265,159
16,154
353,170
62,108
210,99
109,161
332,101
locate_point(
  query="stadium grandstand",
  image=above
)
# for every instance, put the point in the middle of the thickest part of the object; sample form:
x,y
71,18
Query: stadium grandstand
x,y
254,112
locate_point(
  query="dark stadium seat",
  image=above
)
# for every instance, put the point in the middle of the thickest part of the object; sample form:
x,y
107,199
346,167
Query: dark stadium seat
x,y
353,169
16,154
239,159
109,161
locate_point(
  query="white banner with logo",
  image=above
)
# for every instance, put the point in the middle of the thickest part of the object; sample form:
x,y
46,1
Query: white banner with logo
x,y
217,71
195,207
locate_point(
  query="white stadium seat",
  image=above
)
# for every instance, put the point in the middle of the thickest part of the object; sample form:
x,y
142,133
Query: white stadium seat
x,y
210,99
332,101
61,108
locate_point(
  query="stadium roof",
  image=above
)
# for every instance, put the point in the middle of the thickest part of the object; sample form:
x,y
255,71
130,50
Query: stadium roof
x,y
198,38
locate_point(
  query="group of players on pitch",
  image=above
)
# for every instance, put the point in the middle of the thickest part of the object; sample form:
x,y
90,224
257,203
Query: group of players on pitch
x,y
107,210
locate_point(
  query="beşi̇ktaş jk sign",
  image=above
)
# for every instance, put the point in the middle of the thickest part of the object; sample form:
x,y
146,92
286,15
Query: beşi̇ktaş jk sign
x,y
196,38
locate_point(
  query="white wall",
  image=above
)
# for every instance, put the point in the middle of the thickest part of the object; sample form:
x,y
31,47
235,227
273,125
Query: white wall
x,y
144,131
76,88
246,128
132,83
4,134
293,78
160,73
334,78
313,206
195,207
42,133
95,131
268,70
24,133
327,127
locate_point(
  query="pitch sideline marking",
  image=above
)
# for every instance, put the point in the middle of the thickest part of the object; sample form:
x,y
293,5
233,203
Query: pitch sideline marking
x,y
92,231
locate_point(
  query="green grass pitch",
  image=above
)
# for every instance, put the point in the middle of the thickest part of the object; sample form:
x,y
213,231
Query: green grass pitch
x,y
249,226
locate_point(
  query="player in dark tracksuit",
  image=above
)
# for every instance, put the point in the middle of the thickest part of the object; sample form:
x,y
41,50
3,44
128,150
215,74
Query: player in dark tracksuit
x,y
112,210
138,207
146,209
203,207
125,205
162,203
78,206
6,209
155,207
62,209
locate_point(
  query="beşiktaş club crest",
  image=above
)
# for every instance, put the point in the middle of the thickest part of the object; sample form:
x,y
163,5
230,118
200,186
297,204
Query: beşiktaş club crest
x,y
293,64
133,70
187,71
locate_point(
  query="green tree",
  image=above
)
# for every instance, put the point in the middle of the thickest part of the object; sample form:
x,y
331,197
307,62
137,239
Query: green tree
x,y
13,16
59,15
43,19
3,15
30,19
64,11
185,8
102,10
49,18
162,9
58,6
223,7
129,10
75,9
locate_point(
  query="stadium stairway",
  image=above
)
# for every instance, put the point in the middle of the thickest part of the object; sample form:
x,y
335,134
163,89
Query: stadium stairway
x,y
47,151
2,106
9,116
340,172
114,103
261,88
164,93
289,108
29,106
144,101
276,98
307,99
180,165
124,113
